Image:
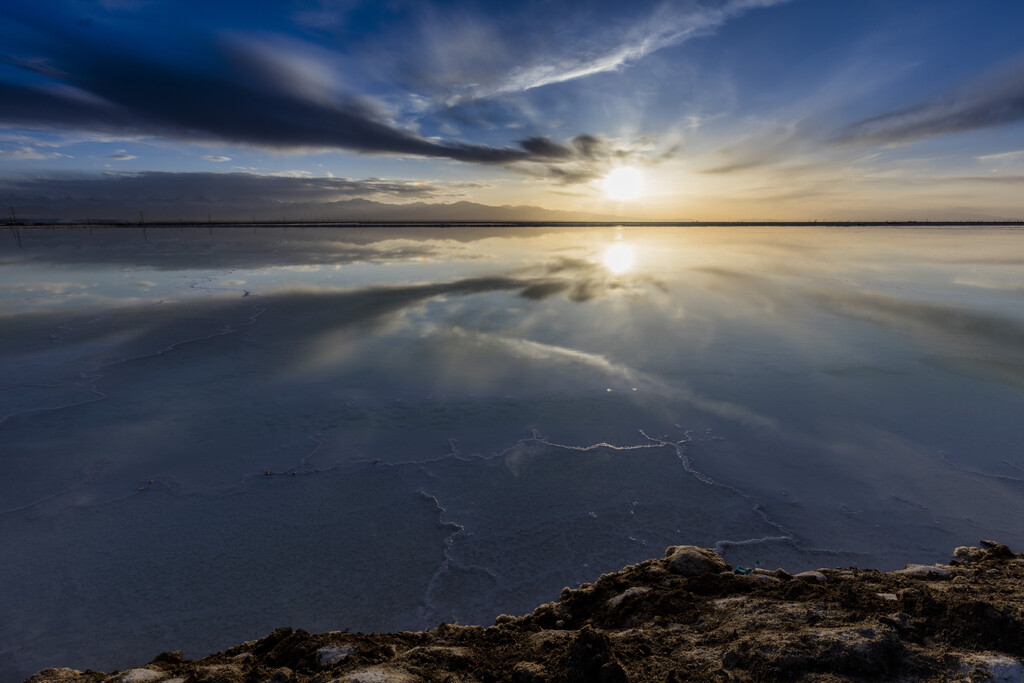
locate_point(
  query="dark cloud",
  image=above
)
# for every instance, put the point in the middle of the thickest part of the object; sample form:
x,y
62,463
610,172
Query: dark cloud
x,y
132,97
160,186
266,92
995,100
573,175
544,148
230,92
543,290
583,159
589,146
564,264
127,97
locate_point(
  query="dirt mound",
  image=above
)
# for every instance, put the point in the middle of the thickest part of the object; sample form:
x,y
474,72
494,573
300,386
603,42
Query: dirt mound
x,y
686,617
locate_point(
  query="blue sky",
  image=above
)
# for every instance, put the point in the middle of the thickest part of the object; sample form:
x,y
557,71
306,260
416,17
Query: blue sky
x,y
725,109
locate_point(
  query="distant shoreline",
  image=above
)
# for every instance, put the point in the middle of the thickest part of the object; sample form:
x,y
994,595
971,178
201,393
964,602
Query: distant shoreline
x,y
503,224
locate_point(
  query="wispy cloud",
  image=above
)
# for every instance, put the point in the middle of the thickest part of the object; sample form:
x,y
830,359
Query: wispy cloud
x,y
996,99
669,25
770,144
216,158
1017,155
25,152
323,14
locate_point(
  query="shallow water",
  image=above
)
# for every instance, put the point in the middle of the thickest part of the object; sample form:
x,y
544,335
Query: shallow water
x,y
209,433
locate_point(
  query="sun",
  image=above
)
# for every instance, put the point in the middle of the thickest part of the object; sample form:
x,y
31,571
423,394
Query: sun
x,y
623,184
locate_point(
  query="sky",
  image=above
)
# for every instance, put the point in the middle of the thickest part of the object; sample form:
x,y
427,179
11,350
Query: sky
x,y
670,110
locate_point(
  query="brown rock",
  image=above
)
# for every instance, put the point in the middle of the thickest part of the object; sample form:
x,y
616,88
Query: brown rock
x,y
689,560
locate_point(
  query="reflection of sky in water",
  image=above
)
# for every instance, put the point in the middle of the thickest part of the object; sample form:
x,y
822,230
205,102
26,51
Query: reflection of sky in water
x,y
572,399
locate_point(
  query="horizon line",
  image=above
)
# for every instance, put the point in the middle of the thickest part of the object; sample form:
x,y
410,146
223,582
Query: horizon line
x,y
510,224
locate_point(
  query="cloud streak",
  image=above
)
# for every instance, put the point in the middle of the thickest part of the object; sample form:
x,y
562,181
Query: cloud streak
x,y
25,152
994,100
214,187
666,27
136,99
237,92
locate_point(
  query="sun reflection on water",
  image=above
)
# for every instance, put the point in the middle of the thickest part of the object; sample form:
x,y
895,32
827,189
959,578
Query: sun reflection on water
x,y
619,258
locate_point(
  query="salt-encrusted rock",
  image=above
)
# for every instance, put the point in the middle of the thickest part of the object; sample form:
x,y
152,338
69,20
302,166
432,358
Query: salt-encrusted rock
x,y
924,571
888,596
528,672
993,669
994,550
543,640
379,674
215,674
56,675
811,577
968,554
689,560
626,595
330,654
759,579
427,653
137,676
592,660
722,602
282,675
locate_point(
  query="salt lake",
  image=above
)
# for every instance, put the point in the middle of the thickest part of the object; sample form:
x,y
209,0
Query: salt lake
x,y
210,432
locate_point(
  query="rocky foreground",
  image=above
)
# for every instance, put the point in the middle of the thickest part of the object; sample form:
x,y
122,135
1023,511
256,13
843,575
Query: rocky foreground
x,y
686,617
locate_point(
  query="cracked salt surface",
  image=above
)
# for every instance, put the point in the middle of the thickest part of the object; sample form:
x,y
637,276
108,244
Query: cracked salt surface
x,y
217,433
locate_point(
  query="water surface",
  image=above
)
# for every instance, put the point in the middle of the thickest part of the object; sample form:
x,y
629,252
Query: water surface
x,y
207,433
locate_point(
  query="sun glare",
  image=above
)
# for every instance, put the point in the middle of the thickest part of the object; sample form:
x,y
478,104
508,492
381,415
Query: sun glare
x,y
623,184
618,258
